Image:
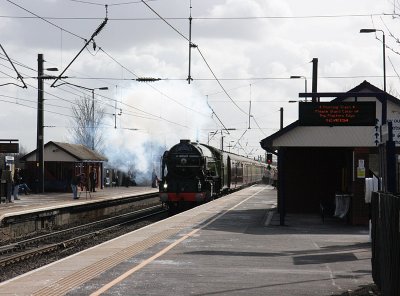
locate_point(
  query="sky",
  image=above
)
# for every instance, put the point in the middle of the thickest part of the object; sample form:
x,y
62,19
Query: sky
x,y
245,52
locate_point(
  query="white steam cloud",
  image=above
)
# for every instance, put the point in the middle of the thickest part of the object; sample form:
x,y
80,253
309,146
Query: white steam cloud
x,y
172,111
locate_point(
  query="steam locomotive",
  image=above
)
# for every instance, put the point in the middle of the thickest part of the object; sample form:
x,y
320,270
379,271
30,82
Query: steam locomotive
x,y
193,173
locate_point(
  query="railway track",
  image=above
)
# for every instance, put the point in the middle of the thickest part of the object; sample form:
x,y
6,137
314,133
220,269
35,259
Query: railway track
x,y
60,241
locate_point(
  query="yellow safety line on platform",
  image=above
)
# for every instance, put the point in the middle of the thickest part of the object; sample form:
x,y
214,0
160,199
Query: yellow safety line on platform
x,y
165,250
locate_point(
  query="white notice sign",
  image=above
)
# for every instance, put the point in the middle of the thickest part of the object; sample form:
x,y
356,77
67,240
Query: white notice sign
x,y
396,131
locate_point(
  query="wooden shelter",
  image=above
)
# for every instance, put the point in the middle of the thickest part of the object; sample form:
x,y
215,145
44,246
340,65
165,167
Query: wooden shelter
x,y
61,162
317,163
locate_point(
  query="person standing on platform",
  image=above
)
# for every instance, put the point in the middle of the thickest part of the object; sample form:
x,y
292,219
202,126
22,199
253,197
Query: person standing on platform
x,y
154,179
17,182
275,178
93,180
74,185
83,182
7,177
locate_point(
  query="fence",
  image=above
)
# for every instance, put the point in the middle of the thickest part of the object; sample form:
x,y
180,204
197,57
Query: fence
x,y
385,232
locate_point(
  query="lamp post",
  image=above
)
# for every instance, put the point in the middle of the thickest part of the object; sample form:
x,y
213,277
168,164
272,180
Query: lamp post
x,y
384,105
388,171
305,82
40,122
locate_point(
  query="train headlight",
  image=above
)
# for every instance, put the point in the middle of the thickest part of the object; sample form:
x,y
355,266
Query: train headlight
x,y
165,186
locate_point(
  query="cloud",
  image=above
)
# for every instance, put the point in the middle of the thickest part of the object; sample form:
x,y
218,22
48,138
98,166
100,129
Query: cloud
x,y
272,48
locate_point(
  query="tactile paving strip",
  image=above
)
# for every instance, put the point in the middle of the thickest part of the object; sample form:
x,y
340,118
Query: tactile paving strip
x,y
179,223
76,279
64,285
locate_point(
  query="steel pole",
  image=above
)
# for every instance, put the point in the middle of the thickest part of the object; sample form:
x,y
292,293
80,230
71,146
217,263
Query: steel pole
x,y
305,87
40,120
92,119
384,105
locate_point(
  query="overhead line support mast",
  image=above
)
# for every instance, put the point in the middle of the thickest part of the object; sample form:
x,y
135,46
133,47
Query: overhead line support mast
x,y
191,45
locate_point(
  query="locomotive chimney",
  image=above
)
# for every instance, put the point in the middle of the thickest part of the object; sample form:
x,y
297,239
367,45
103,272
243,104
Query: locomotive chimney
x,y
185,141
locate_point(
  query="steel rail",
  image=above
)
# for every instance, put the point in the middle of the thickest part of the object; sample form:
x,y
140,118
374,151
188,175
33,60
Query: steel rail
x,y
53,247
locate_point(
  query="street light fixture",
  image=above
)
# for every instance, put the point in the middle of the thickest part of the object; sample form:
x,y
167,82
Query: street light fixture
x,y
384,105
384,48
305,82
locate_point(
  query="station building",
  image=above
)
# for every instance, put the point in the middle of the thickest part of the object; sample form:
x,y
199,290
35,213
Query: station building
x,y
61,162
317,163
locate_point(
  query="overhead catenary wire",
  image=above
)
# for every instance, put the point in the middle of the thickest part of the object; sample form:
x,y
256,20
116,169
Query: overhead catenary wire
x,y
219,83
144,112
151,86
201,54
44,19
259,126
35,108
164,119
235,101
238,18
57,113
111,4
220,121
204,61
138,110
394,68
220,79
98,30
198,79
15,69
150,114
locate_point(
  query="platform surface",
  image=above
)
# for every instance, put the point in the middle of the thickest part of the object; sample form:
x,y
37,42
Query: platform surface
x,y
219,248
50,200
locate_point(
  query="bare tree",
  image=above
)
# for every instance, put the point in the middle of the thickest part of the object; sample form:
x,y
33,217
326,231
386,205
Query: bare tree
x,y
86,123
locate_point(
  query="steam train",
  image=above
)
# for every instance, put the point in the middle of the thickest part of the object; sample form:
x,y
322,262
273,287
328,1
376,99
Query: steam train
x,y
193,173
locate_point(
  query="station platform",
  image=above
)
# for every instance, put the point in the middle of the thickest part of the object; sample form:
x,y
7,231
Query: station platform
x,y
44,201
229,246
38,213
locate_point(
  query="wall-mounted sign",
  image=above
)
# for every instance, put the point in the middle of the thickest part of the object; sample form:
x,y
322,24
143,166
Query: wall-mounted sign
x,y
360,173
337,113
395,131
361,169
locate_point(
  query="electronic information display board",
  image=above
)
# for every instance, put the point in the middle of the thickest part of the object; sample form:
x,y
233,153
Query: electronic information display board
x,y
9,147
337,113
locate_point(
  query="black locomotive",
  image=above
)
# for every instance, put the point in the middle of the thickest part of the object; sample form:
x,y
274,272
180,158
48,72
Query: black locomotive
x,y
193,173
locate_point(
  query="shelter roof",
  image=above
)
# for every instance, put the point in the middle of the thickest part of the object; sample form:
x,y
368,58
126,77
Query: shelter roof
x,y
364,87
77,151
